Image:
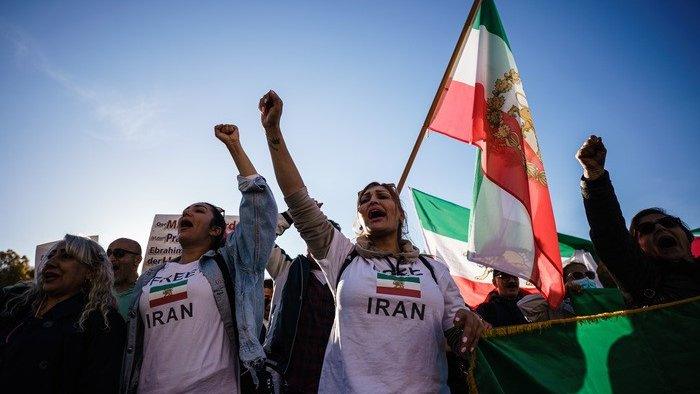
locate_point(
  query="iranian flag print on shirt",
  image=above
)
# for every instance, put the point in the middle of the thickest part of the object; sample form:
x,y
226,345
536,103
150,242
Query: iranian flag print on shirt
x,y
408,286
165,294
512,223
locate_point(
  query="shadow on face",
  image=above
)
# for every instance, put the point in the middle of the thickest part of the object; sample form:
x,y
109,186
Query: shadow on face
x,y
663,237
194,226
507,286
63,274
380,213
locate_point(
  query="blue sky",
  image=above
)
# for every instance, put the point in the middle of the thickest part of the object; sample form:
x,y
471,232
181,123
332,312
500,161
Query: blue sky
x,y
106,110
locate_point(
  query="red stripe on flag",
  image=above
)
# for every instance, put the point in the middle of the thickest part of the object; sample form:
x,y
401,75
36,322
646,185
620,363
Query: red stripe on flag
x,y
168,299
397,291
474,293
462,115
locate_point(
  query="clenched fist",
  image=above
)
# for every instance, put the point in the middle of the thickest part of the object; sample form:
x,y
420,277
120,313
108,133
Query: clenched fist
x,y
591,155
227,133
270,107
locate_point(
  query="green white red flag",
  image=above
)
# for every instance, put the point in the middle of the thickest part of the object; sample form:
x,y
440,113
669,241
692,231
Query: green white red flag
x,y
512,223
445,227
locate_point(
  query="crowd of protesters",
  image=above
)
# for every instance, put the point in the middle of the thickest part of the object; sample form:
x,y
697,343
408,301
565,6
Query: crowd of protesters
x,y
369,315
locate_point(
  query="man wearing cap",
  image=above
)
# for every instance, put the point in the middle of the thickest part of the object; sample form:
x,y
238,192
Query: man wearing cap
x,y
501,305
125,256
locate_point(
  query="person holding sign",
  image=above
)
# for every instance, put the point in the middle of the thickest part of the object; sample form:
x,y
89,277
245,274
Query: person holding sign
x,y
394,307
194,318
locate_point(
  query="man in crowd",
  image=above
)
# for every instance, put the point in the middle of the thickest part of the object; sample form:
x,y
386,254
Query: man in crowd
x,y
125,256
268,288
652,261
578,277
302,317
501,305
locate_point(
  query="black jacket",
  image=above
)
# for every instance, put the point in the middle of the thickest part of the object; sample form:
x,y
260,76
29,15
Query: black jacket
x,y
52,355
499,311
649,281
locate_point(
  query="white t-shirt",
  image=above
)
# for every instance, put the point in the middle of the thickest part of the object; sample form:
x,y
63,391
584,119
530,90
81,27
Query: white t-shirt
x,y
185,346
388,334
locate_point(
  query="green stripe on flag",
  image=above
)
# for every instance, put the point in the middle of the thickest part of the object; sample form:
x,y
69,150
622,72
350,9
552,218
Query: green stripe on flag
x,y
487,16
696,232
168,286
568,244
451,220
440,216
412,279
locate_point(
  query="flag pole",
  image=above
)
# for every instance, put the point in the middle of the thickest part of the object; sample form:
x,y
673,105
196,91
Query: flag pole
x,y
438,95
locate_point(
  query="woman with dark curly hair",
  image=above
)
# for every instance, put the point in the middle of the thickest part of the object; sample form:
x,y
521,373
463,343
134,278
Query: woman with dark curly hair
x,y
194,318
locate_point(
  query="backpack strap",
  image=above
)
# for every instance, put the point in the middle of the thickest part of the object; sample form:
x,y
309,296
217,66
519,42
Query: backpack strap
x,y
350,257
429,266
228,284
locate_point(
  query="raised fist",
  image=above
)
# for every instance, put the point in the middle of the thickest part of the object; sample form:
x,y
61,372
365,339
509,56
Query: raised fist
x,y
270,107
227,133
591,155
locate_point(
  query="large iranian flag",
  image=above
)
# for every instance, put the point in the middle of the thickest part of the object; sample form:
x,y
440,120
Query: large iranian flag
x,y
512,224
445,228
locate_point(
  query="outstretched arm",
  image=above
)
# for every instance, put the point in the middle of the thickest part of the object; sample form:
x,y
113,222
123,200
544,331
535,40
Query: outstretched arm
x,y
286,171
228,134
312,224
613,242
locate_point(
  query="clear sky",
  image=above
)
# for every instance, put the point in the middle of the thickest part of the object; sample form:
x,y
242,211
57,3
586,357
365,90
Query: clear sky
x,y
106,110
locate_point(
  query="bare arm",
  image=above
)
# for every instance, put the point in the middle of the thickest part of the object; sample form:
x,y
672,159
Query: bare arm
x,y
286,171
228,134
312,224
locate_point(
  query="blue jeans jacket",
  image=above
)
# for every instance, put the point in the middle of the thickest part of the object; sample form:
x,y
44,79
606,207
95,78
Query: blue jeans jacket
x,y
246,253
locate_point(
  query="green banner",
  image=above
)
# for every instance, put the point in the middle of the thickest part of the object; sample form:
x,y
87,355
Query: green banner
x,y
649,350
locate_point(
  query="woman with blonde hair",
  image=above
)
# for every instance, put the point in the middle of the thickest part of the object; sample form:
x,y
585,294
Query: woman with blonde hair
x,y
63,334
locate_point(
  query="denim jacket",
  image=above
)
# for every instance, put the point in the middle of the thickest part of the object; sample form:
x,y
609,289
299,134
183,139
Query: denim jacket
x,y
246,252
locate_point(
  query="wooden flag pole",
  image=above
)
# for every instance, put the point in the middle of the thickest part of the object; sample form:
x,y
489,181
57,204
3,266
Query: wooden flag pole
x,y
438,96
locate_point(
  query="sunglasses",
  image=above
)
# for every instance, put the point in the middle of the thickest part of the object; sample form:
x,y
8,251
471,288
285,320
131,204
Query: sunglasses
x,y
647,228
118,253
580,275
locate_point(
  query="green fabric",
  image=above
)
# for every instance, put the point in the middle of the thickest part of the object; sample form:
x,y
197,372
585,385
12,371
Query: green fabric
x,y
124,302
651,350
451,220
595,301
441,216
487,16
568,244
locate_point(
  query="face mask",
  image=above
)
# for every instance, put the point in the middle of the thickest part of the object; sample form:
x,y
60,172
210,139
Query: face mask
x,y
587,283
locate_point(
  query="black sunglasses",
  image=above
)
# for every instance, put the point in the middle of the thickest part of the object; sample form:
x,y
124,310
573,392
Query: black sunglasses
x,y
118,253
647,228
577,275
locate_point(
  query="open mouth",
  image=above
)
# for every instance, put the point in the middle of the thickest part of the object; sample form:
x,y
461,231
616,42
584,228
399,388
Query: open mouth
x,y
666,241
49,276
512,285
185,224
376,213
